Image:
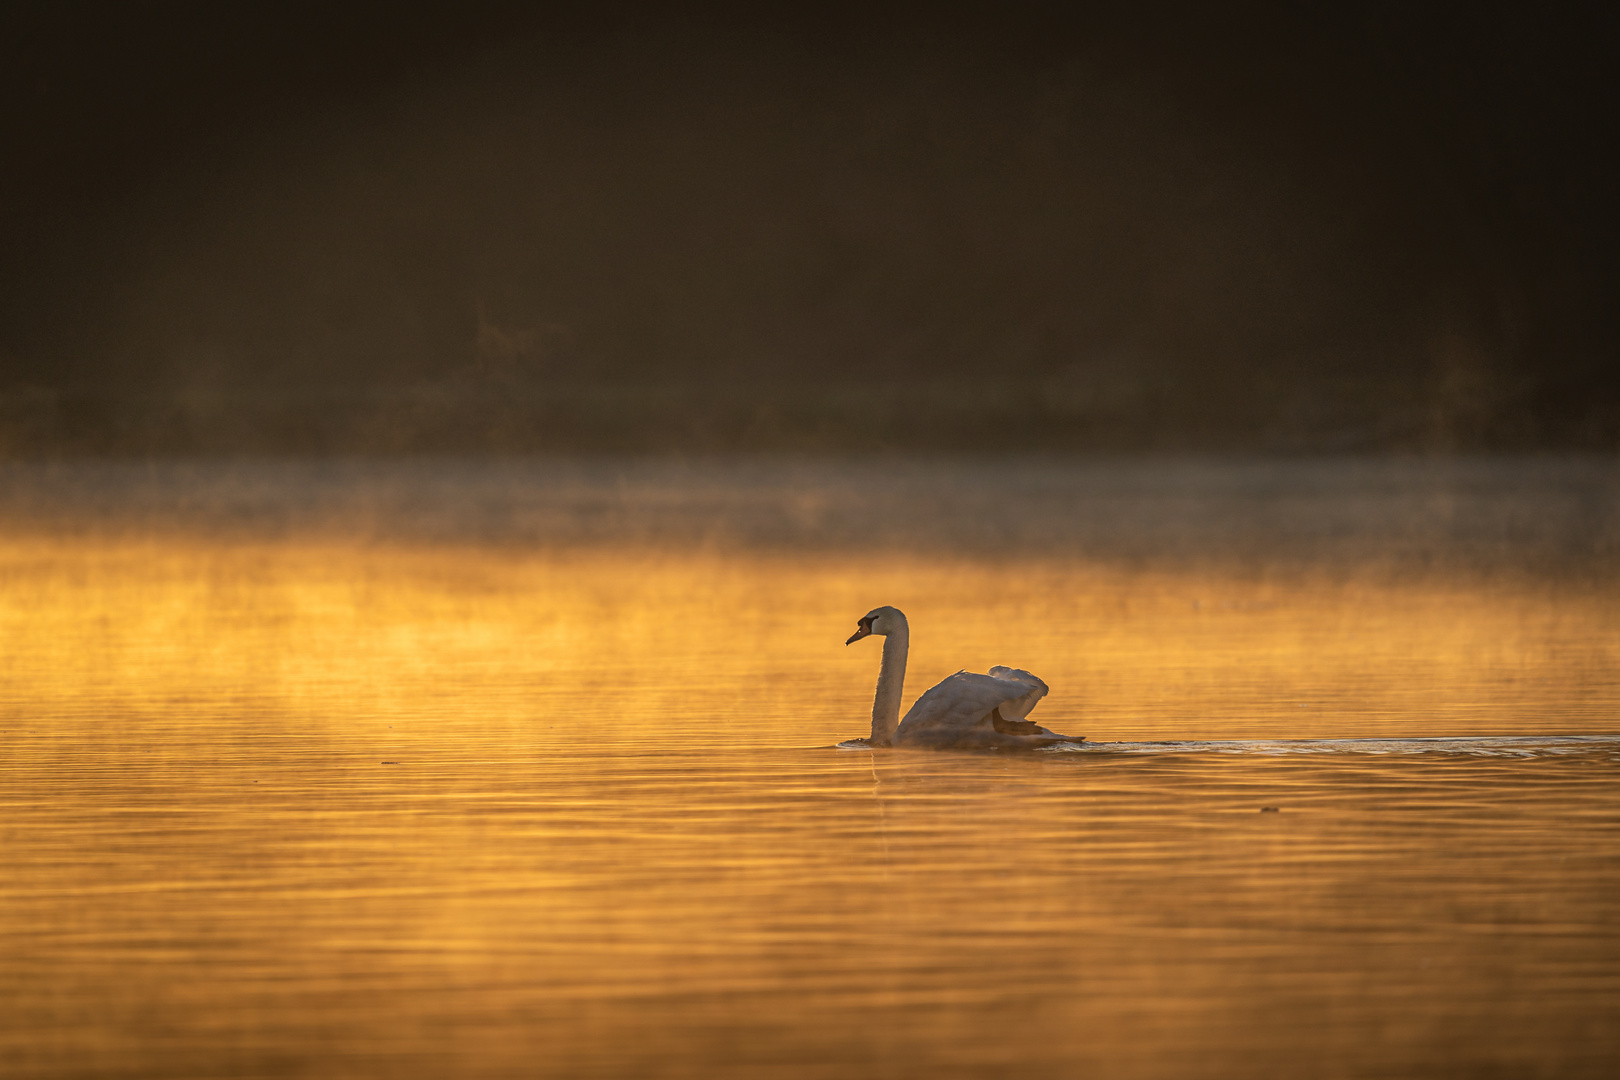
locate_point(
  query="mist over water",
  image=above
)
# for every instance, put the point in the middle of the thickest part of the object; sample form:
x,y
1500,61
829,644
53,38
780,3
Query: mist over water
x,y
1542,516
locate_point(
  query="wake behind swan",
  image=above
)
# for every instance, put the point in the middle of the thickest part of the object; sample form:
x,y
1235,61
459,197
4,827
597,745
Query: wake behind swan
x,y
1509,746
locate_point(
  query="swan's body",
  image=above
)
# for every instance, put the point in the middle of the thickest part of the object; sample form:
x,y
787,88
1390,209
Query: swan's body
x,y
966,710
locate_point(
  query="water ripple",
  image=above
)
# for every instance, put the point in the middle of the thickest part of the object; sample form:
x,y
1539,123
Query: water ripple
x,y
1531,746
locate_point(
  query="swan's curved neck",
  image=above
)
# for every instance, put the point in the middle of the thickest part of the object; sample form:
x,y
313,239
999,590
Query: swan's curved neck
x,y
891,681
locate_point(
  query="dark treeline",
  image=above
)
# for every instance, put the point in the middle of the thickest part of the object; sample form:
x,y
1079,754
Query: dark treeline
x,y
315,228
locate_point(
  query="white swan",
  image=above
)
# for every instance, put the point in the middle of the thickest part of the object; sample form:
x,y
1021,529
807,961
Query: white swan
x,y
967,710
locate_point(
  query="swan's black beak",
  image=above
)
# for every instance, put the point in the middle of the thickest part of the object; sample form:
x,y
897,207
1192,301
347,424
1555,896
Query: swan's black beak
x,y
864,629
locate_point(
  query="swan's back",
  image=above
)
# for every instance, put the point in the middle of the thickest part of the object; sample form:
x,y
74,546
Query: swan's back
x,y
966,699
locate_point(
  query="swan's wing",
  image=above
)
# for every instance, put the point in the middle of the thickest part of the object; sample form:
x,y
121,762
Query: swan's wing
x,y
1020,708
965,700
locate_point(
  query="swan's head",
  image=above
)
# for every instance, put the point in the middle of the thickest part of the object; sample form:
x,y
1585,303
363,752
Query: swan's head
x,y
881,621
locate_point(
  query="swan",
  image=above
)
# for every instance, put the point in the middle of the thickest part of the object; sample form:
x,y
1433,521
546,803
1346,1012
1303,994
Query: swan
x,y
966,710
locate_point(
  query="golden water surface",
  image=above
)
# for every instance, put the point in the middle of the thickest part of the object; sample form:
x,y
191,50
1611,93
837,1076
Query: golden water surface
x,y
327,804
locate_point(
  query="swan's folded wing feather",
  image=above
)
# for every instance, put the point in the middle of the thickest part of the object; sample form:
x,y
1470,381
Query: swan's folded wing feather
x,y
1020,707
965,699
1017,675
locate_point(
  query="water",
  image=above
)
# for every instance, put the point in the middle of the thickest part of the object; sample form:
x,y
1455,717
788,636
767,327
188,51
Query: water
x,y
468,769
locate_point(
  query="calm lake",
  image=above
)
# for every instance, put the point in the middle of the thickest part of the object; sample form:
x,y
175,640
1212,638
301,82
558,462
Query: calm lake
x,y
526,769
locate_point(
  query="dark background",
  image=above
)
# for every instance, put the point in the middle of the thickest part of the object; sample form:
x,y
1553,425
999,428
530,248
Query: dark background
x,y
318,228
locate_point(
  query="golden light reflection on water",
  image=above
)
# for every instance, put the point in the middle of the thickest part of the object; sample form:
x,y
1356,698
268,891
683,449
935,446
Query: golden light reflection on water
x,y
333,809
643,646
